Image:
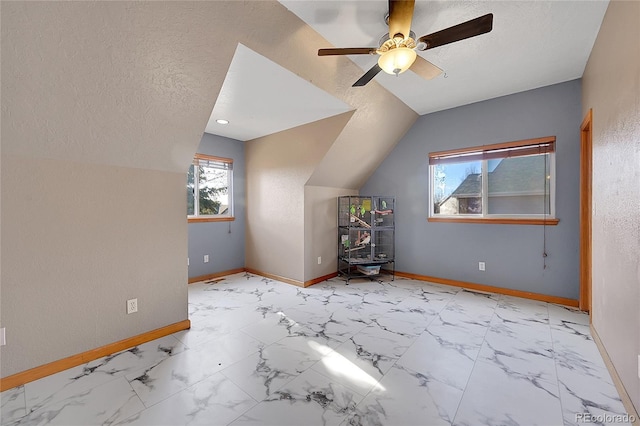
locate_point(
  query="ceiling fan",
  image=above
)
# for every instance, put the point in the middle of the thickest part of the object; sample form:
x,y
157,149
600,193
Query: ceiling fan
x,y
398,48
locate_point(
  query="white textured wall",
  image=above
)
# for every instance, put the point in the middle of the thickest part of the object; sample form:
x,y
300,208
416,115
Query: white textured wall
x,y
278,166
78,240
320,229
611,86
103,106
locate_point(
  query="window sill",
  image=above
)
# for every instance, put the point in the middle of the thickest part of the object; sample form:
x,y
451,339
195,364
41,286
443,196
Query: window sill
x,y
210,219
496,220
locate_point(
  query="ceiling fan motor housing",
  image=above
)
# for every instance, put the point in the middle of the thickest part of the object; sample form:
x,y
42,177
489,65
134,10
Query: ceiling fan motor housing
x,y
387,43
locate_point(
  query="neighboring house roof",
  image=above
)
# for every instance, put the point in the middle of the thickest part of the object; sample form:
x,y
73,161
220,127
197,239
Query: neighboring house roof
x,y
512,176
471,186
519,175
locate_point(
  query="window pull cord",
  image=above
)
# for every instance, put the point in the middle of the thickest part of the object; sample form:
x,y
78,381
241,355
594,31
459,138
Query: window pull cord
x,y
544,212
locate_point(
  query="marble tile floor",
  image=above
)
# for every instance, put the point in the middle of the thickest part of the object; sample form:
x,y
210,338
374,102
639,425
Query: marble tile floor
x,y
403,352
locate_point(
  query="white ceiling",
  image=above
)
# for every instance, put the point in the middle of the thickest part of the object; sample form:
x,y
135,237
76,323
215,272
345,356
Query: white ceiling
x,y
259,97
533,44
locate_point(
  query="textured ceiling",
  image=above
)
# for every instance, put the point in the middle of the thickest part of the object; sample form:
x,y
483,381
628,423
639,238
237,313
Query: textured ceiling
x,y
533,44
259,97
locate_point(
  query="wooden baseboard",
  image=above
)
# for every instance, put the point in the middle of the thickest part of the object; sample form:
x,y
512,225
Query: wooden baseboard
x,y
215,275
275,277
622,391
263,274
499,290
39,372
291,281
320,279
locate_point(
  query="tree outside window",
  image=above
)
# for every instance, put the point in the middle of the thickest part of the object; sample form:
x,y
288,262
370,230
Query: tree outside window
x,y
209,187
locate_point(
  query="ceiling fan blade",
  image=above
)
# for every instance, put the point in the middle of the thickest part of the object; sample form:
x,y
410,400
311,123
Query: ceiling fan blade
x,y
368,76
400,16
348,51
468,29
425,69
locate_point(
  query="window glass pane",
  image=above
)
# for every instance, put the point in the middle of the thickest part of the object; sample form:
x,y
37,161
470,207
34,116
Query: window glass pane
x,y
457,188
519,185
190,191
213,197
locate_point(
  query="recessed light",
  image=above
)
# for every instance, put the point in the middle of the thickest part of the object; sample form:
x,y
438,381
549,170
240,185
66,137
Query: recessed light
x,y
221,121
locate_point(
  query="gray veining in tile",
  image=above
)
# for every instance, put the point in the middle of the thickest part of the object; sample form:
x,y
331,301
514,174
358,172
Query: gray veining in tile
x,y
403,352
12,405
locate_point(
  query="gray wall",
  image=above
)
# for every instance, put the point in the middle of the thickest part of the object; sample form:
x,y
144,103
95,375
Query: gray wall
x,y
222,241
513,253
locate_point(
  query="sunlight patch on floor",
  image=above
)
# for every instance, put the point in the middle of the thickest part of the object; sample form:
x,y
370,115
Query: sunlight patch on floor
x,y
342,367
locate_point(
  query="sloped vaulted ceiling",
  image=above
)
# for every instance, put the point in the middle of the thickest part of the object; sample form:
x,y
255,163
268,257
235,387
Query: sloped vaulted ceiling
x,y
118,83
260,98
362,140
380,119
144,77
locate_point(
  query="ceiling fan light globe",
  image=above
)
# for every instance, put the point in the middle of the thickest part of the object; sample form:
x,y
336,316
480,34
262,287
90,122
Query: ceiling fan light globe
x,y
396,61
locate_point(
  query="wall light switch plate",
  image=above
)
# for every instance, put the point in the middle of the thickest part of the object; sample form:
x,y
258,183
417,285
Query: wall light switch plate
x,y
3,337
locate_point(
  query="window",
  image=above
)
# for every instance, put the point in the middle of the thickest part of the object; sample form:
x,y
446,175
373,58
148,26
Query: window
x,y
511,182
209,189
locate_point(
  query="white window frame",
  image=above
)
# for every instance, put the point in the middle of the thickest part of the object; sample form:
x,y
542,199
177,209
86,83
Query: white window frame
x,y
219,163
544,145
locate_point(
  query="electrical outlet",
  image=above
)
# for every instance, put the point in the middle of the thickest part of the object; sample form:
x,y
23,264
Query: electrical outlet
x,y
3,337
319,260
206,258
481,266
187,261
132,306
